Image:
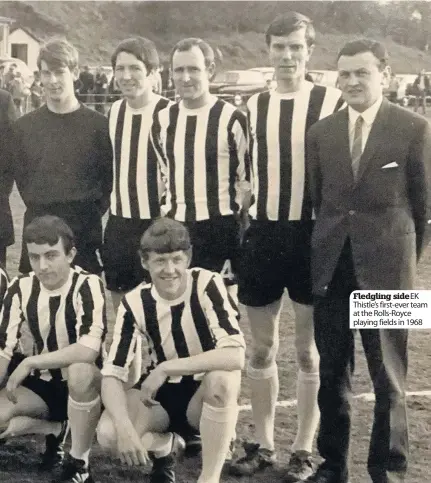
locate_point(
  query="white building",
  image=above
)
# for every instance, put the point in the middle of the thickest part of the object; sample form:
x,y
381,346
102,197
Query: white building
x,y
24,45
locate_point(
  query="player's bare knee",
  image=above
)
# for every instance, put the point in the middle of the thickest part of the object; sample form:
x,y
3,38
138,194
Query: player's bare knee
x,y
222,388
83,381
308,360
106,433
264,355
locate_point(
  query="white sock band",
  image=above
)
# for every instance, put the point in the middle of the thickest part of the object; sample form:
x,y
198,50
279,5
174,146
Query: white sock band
x,y
219,415
259,374
84,406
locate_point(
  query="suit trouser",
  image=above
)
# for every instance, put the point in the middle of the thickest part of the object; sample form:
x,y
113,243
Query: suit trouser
x,y
386,354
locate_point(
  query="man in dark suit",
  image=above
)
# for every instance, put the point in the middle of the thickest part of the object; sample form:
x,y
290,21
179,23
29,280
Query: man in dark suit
x,y
7,116
369,167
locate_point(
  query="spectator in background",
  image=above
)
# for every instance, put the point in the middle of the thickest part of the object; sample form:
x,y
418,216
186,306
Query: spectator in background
x,y
165,76
421,86
36,91
394,85
9,76
100,90
87,79
19,92
2,77
157,81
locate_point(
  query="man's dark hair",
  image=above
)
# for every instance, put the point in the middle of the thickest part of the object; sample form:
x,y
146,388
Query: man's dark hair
x,y
49,229
142,48
366,45
165,236
187,44
58,52
284,25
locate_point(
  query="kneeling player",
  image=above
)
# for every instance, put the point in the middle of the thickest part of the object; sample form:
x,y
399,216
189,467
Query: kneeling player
x,y
196,350
56,315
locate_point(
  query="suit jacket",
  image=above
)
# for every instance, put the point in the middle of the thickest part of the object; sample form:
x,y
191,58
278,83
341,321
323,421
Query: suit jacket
x,y
7,116
385,212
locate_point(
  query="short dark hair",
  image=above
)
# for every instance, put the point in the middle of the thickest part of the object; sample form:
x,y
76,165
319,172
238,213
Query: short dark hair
x,y
359,46
49,229
165,236
58,52
187,44
291,22
142,48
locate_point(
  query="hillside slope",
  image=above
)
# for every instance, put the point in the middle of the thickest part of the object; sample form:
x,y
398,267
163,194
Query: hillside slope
x,y
236,28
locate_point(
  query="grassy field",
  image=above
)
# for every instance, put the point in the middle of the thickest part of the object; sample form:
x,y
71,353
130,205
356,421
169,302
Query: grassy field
x,y
18,458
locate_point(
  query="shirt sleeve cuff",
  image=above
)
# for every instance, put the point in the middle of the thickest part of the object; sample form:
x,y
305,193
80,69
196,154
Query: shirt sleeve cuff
x,y
110,370
231,341
5,356
90,342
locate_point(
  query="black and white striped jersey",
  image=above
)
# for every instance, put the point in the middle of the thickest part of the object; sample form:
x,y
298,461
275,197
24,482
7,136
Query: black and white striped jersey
x,y
136,175
4,280
278,124
204,318
39,321
204,159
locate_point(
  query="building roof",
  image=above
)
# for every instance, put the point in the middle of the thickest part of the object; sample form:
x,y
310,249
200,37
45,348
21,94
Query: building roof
x,y
27,31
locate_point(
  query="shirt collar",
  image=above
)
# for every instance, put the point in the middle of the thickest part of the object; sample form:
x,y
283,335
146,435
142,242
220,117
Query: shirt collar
x,y
368,115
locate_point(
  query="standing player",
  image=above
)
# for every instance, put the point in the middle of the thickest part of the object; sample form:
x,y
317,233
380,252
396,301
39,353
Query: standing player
x,y
63,163
56,314
196,350
7,117
277,244
135,198
205,160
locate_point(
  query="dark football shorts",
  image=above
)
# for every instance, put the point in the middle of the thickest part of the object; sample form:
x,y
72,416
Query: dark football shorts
x,y
216,246
55,394
175,399
120,256
274,256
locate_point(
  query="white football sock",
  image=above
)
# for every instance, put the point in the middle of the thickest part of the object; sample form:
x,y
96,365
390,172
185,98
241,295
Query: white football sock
x,y
83,419
307,410
216,427
264,394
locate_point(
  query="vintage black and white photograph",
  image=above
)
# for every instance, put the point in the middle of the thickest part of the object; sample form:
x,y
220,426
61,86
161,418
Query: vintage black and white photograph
x,y
215,220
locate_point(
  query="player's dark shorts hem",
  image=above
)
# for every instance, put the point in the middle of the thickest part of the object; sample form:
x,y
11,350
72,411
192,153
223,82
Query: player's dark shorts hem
x,y
175,399
85,220
119,253
216,246
55,394
275,256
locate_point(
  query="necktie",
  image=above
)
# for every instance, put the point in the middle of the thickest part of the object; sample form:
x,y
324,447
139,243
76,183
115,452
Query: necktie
x,y
357,146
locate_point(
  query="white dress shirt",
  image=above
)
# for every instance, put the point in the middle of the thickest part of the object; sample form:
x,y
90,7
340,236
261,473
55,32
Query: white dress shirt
x,y
368,116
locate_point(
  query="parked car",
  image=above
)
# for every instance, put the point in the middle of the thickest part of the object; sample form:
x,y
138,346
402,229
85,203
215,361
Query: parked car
x,y
324,77
237,86
268,72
